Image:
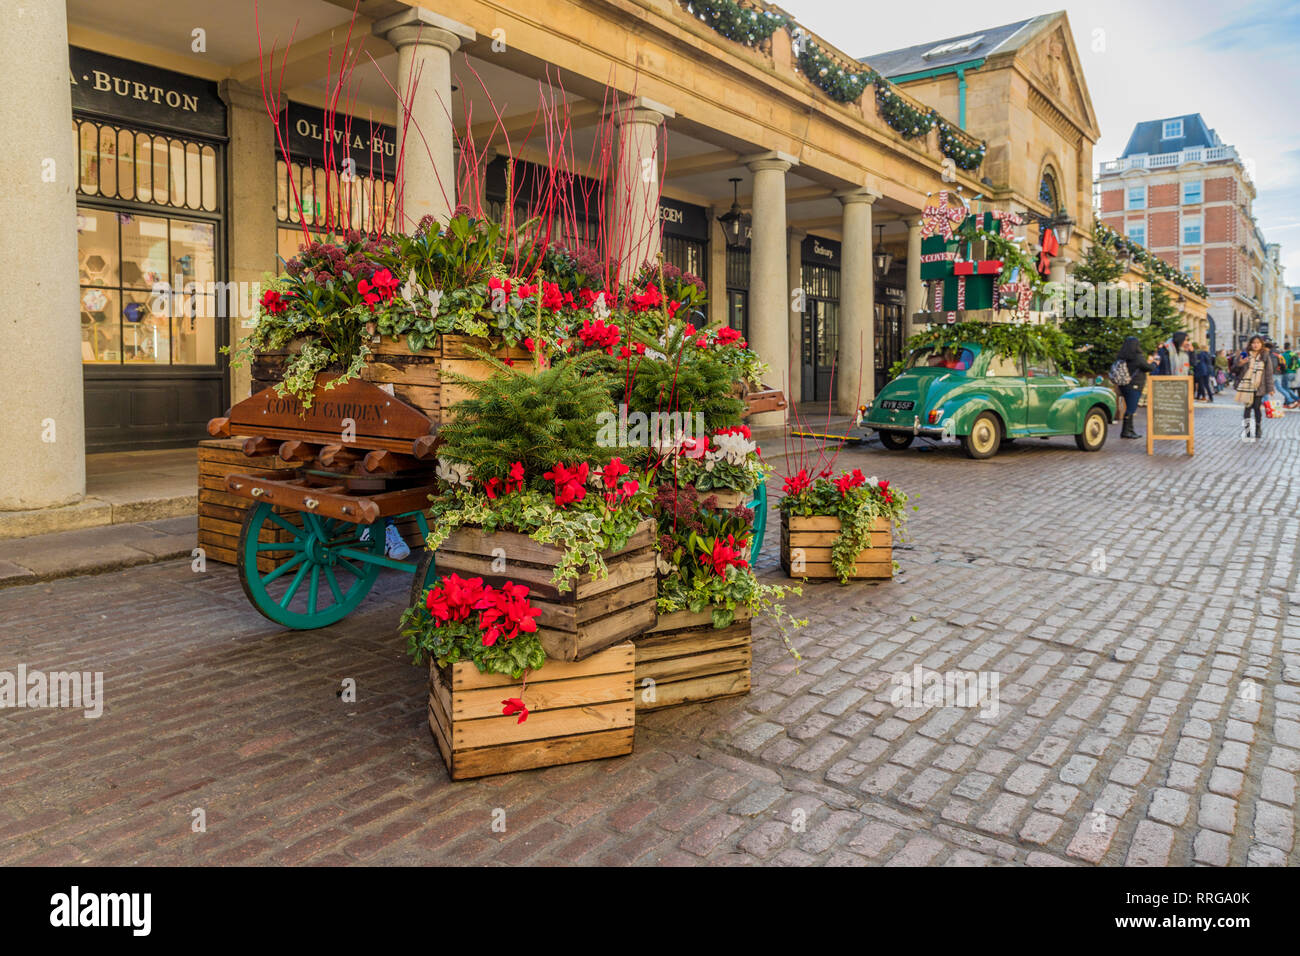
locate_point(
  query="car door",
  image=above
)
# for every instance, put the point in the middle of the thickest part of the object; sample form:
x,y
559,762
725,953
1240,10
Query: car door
x,y
1045,386
1004,380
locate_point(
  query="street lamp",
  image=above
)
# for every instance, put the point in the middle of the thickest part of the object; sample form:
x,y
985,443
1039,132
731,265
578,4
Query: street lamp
x,y
735,224
1061,223
883,260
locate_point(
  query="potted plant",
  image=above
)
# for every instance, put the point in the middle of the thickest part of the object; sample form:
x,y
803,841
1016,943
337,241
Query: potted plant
x,y
479,641
527,492
840,527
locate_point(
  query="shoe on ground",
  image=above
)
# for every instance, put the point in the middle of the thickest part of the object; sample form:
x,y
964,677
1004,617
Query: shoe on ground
x,y
394,546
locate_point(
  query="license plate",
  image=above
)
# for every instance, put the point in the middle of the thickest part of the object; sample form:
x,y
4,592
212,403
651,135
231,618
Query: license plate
x,y
894,404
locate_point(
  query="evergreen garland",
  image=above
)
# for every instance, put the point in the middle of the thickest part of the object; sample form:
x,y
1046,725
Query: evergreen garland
x,y
736,23
953,144
1152,263
841,85
902,116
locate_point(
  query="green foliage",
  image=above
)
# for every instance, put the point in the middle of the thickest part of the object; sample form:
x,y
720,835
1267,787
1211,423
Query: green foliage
x,y
1102,335
857,509
537,418
582,530
449,642
731,20
1002,338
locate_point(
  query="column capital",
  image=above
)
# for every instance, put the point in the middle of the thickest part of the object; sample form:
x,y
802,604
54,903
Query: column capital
x,y
798,234
860,194
772,159
417,25
241,96
642,109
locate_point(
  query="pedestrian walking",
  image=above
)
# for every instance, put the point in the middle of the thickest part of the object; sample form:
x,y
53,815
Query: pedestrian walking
x,y
1221,366
1254,383
1202,373
1173,359
1280,378
1288,377
1133,364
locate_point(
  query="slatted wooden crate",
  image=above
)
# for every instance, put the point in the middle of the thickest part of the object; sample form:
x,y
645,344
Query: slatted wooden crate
x,y
684,659
576,711
589,617
806,545
420,379
221,514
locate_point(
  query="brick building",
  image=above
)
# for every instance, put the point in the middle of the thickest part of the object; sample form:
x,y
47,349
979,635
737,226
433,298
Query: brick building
x,y
1185,195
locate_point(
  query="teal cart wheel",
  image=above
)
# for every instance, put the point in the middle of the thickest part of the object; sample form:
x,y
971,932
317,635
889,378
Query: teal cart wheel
x,y
759,506
322,569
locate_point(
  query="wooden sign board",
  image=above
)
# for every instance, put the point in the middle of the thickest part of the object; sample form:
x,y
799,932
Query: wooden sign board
x,y
1170,412
368,410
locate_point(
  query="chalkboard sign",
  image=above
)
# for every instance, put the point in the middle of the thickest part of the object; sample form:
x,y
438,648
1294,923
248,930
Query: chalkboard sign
x,y
1169,410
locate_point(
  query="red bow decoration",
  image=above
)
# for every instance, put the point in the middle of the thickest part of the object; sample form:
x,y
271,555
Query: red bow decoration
x,y
940,219
1050,248
1007,222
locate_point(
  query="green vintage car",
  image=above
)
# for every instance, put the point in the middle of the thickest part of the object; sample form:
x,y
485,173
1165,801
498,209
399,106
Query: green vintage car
x,y
983,399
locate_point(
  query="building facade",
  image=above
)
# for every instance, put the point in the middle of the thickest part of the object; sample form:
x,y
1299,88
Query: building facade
x,y
1184,194
176,176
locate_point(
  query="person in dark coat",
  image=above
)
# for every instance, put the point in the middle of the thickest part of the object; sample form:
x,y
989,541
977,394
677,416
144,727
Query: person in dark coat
x,y
1139,365
1203,371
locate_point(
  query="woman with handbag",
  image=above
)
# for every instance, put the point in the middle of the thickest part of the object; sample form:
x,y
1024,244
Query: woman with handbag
x,y
1255,381
1133,364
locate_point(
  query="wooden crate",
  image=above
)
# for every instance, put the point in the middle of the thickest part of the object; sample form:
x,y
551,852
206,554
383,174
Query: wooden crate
x,y
221,514
689,660
593,614
417,378
576,711
815,537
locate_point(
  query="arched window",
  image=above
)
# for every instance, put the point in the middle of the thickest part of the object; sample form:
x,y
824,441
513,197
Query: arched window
x,y
1048,194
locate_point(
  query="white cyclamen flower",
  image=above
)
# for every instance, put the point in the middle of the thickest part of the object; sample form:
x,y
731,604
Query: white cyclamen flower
x,y
412,290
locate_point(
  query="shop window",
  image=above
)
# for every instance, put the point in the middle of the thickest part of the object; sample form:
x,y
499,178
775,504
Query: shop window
x,y
114,162
125,320
685,254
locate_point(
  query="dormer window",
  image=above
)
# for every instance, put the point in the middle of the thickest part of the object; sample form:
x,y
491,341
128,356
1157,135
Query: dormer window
x,y
1173,129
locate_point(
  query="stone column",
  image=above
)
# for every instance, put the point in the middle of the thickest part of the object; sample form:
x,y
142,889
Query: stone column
x,y
769,294
794,282
915,298
425,42
855,376
42,425
634,228
716,278
251,226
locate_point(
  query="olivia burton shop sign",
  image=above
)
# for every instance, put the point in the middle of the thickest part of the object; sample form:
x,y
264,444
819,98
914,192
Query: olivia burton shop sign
x,y
113,88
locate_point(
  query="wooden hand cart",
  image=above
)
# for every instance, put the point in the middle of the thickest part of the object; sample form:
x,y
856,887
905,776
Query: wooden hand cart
x,y
363,457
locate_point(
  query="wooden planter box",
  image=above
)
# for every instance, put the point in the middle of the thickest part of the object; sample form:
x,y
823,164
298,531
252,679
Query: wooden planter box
x,y
576,712
416,377
690,660
589,617
813,538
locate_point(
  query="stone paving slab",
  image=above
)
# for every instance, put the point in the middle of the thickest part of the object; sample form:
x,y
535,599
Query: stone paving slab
x,y
97,549
1148,705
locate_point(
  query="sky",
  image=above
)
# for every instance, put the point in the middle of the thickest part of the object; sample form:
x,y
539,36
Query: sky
x,y
1237,64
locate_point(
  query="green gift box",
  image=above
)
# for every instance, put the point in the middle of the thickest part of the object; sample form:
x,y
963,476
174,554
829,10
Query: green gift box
x,y
937,257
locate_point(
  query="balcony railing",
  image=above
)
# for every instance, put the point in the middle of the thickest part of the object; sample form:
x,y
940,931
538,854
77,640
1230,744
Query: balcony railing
x,y
1197,154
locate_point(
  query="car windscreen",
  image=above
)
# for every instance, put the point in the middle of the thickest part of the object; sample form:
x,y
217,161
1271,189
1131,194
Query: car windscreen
x,y
952,357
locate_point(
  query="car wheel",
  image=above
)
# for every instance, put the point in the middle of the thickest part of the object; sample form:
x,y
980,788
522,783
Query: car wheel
x,y
1093,435
984,438
896,441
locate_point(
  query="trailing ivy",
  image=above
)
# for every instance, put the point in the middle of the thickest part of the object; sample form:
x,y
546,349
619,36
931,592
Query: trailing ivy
x,y
736,23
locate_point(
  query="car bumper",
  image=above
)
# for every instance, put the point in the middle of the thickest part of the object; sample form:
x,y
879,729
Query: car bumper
x,y
924,431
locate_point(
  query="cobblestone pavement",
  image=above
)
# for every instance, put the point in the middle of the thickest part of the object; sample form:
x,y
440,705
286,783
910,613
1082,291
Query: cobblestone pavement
x,y
1126,732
